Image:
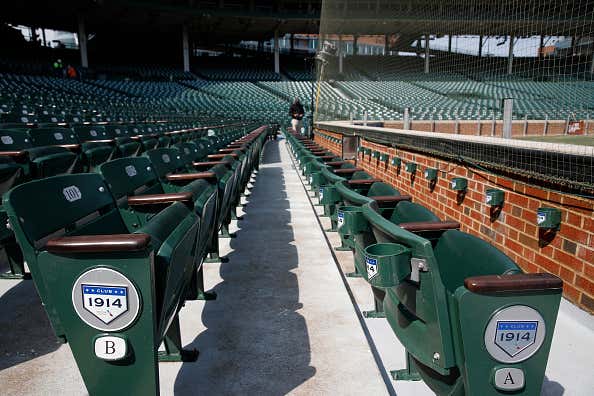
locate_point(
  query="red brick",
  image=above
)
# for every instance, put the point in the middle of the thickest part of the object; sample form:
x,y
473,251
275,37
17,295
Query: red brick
x,y
536,193
547,264
586,254
585,284
574,234
567,275
568,260
571,293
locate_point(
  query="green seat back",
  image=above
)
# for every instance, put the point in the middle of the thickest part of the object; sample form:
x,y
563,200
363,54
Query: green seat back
x,y
462,255
53,136
381,189
165,161
406,212
87,133
130,176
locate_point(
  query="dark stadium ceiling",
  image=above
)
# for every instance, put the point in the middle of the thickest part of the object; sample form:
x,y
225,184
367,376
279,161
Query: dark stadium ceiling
x,y
232,20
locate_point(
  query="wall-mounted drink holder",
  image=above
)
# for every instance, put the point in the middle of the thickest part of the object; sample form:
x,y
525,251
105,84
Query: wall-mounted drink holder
x,y
411,167
494,197
459,184
548,218
431,174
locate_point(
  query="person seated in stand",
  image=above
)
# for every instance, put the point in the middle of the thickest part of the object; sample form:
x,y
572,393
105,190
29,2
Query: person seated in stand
x,y
297,112
71,72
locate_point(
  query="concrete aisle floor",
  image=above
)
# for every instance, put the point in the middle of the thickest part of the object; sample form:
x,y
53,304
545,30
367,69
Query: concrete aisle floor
x,y
283,322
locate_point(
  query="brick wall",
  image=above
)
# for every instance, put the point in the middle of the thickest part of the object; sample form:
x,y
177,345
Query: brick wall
x,y
569,253
471,127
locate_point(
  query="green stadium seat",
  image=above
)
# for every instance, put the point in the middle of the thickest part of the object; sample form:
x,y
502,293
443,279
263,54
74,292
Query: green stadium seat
x,y
440,300
79,249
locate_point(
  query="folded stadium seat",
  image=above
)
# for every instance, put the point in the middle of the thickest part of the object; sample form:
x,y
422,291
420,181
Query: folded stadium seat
x,y
147,140
451,310
79,248
162,140
126,146
50,120
11,173
22,160
140,195
98,145
13,120
173,174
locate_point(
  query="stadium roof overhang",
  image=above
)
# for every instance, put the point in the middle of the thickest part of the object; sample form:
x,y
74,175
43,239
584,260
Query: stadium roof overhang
x,y
232,20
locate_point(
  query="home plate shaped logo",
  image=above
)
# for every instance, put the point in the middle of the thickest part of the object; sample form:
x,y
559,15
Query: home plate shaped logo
x,y
515,336
106,302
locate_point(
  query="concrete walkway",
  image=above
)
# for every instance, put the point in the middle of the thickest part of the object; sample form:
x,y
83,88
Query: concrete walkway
x,y
283,322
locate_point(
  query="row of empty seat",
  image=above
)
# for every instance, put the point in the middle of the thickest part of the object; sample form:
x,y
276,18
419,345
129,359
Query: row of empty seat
x,y
465,313
116,253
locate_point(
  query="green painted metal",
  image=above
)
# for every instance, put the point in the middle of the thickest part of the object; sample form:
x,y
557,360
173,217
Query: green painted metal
x,y
494,197
160,272
442,324
388,264
459,184
411,167
431,174
548,218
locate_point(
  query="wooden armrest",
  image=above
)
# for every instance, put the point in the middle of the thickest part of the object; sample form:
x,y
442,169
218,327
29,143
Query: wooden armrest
x,y
231,150
363,181
346,171
99,243
218,156
69,146
101,141
419,226
326,158
209,163
337,163
14,153
154,199
391,198
138,137
191,176
488,284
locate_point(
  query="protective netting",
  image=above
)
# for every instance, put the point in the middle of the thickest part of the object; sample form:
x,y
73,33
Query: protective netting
x,y
450,60
448,66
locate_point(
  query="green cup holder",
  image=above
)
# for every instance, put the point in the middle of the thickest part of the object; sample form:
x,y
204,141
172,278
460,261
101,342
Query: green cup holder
x,y
387,264
328,195
350,220
548,218
494,197
316,178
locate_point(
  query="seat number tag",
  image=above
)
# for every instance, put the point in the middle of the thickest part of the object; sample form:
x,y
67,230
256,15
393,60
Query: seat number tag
x,y
7,140
371,265
72,193
340,218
